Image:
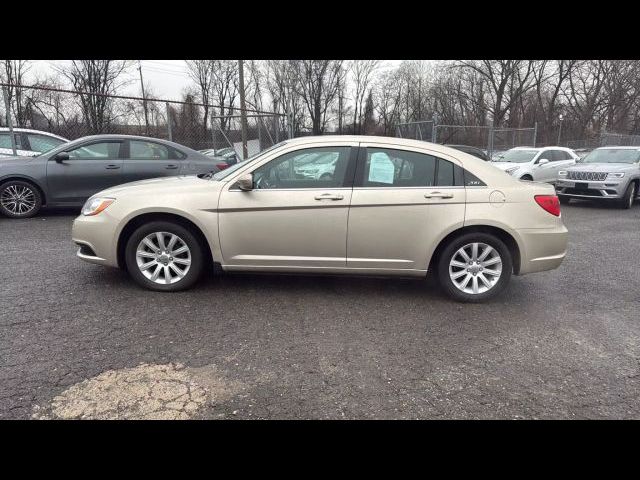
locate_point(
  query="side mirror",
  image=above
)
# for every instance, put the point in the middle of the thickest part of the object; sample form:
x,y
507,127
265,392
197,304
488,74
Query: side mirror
x,y
61,157
245,182
542,161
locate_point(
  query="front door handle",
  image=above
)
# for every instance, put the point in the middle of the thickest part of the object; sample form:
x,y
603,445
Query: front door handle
x,y
112,166
329,196
171,166
438,195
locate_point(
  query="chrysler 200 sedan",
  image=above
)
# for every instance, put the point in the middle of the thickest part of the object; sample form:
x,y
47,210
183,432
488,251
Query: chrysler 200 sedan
x,y
391,206
72,172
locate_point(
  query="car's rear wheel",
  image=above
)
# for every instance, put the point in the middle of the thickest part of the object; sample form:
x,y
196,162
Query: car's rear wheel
x,y
564,200
19,199
629,196
164,256
474,267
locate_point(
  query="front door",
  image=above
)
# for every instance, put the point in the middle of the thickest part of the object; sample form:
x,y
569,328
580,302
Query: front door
x,y
296,214
91,167
402,201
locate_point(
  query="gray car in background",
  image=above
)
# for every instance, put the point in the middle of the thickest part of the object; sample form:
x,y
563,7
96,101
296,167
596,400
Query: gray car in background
x,y
71,173
607,173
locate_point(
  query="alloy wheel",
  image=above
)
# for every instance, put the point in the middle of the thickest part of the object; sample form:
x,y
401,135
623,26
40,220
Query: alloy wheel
x,y
163,257
475,268
18,199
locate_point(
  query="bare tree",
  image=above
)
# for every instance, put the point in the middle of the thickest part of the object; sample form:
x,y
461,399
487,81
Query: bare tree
x,y
507,80
362,72
201,72
225,88
103,77
13,73
318,82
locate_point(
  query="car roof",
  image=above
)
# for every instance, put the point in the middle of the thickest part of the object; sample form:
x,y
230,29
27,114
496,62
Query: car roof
x,y
113,136
617,147
407,142
28,130
541,148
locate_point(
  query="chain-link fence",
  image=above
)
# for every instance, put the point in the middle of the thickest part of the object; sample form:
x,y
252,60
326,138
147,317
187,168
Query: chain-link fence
x,y
72,115
604,139
422,130
487,138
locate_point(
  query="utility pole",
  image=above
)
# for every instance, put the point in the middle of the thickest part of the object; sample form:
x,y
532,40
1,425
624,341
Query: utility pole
x,y
243,111
560,117
144,100
9,120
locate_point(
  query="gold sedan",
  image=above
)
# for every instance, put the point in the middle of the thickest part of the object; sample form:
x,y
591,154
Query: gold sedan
x,y
382,206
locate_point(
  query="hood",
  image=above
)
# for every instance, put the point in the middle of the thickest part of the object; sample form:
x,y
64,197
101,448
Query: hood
x,y
506,165
159,186
603,167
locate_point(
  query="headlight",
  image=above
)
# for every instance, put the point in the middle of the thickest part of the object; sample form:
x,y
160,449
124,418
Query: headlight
x,y
511,170
94,206
615,175
562,173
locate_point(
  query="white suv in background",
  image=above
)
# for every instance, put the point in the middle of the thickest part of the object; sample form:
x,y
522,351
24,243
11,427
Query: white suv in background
x,y
539,164
29,143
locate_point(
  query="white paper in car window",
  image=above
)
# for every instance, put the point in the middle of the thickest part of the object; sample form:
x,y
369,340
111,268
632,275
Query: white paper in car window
x,y
381,168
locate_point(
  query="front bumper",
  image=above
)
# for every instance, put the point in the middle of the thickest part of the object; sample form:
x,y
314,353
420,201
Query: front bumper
x,y
542,248
608,189
96,239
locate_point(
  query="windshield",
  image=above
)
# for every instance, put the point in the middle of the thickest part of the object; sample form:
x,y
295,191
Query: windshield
x,y
517,156
221,175
613,155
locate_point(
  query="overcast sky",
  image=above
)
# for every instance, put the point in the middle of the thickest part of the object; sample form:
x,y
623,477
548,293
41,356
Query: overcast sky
x,y
166,78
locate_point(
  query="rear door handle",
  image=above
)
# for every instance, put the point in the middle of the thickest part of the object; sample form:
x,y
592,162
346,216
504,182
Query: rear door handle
x,y
171,166
438,195
112,166
328,196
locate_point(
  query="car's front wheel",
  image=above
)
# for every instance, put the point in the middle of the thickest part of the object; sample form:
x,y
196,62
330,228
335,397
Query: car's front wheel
x,y
474,267
629,196
164,256
19,199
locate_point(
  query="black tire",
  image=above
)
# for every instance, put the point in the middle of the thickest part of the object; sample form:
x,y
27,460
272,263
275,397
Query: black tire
x,y
527,178
447,254
27,191
629,196
196,249
564,200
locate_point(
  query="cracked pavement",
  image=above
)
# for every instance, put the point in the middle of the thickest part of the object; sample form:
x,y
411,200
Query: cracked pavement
x,y
83,341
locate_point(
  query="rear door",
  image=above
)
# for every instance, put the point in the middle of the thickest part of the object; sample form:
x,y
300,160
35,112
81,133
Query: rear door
x,y
148,159
561,160
544,172
402,201
91,167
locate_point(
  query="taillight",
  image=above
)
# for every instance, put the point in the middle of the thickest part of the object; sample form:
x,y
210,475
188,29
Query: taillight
x,y
550,203
221,165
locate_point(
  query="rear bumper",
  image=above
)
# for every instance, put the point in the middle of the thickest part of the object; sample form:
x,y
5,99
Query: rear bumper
x,y
542,248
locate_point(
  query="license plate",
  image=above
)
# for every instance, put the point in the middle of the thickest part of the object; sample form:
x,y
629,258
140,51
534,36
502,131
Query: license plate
x,y
581,186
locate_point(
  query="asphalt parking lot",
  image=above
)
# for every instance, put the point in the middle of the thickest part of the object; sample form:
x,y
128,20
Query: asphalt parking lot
x,y
82,341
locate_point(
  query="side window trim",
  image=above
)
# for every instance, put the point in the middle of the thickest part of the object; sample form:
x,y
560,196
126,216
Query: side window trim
x,y
348,175
173,154
362,159
88,144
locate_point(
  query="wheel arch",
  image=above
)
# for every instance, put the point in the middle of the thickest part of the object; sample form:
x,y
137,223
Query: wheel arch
x,y
502,234
139,220
25,178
